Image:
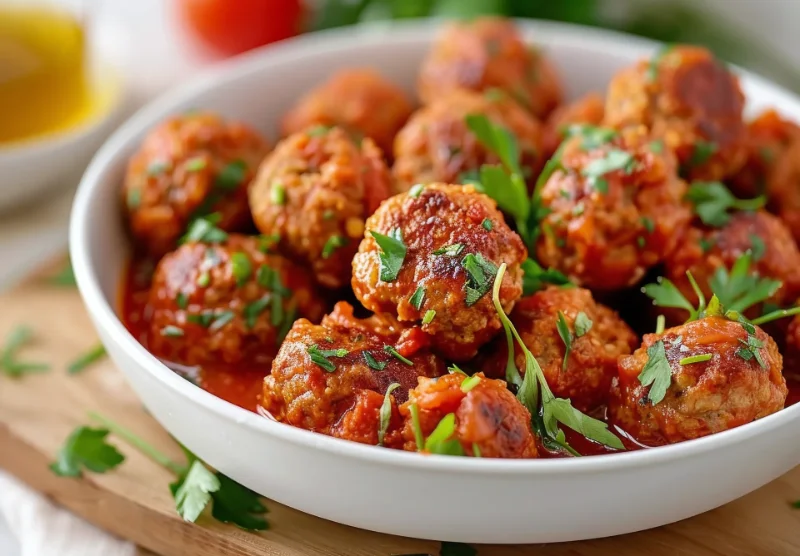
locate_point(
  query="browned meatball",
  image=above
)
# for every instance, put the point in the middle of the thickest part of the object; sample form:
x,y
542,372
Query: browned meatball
x,y
598,338
783,187
705,250
688,98
485,53
453,241
489,421
190,165
226,303
768,138
615,210
359,100
741,382
332,378
314,193
589,109
436,144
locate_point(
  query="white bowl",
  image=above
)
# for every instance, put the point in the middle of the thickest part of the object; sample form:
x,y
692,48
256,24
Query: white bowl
x,y
33,166
433,497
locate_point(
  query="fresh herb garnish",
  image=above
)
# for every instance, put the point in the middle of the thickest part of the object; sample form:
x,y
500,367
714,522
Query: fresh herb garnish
x,y
535,277
221,318
614,159
480,273
241,268
419,439
385,411
133,199
703,151
441,440
85,360
652,67
172,331
158,167
417,298
231,176
318,130
393,253
10,365
591,136
656,146
252,310
751,347
372,363
566,337
333,243
195,164
416,190
713,202
583,324
396,354
757,247
700,358
320,356
86,448
204,230
656,373
469,383
535,394
182,300
277,194
487,224
453,250
64,277
429,316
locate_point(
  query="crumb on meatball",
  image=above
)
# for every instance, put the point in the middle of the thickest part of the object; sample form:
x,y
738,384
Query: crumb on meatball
x,y
588,109
360,100
615,209
445,277
489,420
489,52
703,251
332,379
314,192
730,389
188,166
690,100
226,303
436,145
598,338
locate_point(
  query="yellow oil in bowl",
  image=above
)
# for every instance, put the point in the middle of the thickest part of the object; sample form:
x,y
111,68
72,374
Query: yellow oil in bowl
x,y
44,87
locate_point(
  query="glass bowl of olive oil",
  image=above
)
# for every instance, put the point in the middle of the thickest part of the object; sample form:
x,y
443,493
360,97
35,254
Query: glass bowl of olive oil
x,y
57,99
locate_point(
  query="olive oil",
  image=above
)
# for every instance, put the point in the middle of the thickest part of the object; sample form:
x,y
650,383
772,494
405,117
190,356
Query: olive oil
x,y
43,77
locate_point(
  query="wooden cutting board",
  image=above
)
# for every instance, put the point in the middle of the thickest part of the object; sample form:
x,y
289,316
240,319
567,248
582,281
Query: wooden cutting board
x,y
37,412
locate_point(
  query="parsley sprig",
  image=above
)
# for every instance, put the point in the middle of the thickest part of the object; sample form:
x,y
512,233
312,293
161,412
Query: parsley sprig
x,y
582,325
547,411
713,202
393,253
196,485
10,364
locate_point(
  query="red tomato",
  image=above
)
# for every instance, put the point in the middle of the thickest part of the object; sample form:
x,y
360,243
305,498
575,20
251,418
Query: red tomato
x,y
233,26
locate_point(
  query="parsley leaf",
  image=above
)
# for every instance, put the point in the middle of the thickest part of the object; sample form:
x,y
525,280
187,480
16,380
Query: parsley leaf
x,y
497,139
86,448
231,176
656,373
757,247
535,277
9,364
702,153
320,356
386,411
241,267
237,504
417,298
583,324
593,136
334,242
441,440
393,253
193,493
713,201
487,224
480,273
741,288
372,363
666,294
453,250
751,347
566,337
614,159
204,230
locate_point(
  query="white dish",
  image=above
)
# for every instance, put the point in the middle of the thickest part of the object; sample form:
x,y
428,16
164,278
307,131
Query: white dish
x,y
32,167
434,497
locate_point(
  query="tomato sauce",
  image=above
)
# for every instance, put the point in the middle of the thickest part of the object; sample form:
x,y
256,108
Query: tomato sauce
x,y
242,387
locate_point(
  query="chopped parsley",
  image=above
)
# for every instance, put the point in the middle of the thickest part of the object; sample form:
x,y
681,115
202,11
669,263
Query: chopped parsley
x,y
320,356
453,250
386,412
751,347
231,176
277,194
469,383
416,190
582,325
182,300
535,277
396,354
700,358
252,310
487,224
656,146
416,427
318,130
393,253
195,164
158,167
656,373
372,363
480,274
417,298
429,316
614,159
221,318
88,358
441,440
204,230
334,242
702,153
172,331
591,136
204,279
241,267
713,202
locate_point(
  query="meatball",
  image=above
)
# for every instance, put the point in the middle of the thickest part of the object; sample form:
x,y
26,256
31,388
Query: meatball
x,y
489,421
615,206
703,251
359,100
436,144
688,98
190,166
768,138
314,193
445,244
598,337
332,378
741,382
783,187
226,303
485,53
589,109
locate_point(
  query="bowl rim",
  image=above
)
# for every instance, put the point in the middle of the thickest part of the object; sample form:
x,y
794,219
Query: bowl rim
x,y
105,316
